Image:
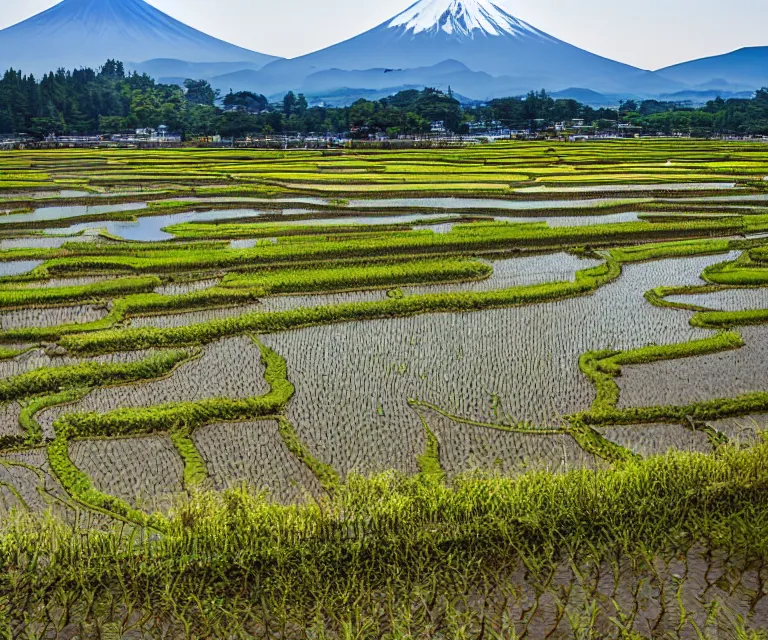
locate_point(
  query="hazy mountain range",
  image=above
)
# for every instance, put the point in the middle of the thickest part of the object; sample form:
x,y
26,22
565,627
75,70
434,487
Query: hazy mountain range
x,y
473,46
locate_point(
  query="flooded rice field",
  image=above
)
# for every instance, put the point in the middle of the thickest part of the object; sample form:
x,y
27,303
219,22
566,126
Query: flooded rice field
x,y
552,267
41,242
507,365
150,228
465,448
183,288
18,267
229,368
171,320
727,299
254,454
657,439
51,316
145,472
38,358
47,214
689,380
55,283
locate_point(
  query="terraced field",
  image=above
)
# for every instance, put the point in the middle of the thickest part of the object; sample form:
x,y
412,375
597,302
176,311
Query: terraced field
x,y
291,321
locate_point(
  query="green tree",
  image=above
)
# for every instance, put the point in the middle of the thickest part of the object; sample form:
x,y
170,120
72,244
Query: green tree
x,y
200,92
289,103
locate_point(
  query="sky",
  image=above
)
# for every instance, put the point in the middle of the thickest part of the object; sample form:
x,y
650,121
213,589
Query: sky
x,y
650,35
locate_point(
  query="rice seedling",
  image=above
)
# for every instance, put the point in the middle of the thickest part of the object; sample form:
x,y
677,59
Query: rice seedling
x,y
145,472
567,445
226,369
254,454
51,316
690,380
657,439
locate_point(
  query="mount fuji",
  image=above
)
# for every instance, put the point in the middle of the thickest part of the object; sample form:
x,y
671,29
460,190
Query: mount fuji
x,y
479,34
85,33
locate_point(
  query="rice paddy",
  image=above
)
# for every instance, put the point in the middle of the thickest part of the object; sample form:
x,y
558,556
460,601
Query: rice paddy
x,y
284,355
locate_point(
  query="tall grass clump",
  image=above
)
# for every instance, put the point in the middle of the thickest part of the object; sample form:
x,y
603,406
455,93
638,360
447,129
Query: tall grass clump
x,y
237,559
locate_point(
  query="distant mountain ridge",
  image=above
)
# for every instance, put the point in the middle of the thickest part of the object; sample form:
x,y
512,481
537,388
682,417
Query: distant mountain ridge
x,y
743,69
475,47
80,33
481,35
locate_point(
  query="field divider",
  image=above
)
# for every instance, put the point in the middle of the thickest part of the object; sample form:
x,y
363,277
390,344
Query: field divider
x,y
186,416
21,298
755,402
588,439
430,467
326,475
586,282
603,367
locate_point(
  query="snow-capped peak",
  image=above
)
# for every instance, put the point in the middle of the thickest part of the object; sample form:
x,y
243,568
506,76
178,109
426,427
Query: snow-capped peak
x,y
461,17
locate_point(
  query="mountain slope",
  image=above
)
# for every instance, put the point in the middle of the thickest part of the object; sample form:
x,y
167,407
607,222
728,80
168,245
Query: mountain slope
x,y
478,33
78,33
743,69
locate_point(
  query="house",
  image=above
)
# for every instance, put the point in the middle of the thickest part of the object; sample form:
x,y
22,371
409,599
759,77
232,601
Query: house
x,y
438,126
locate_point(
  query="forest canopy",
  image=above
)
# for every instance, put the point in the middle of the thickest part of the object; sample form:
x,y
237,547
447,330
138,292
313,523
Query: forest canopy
x,y
110,100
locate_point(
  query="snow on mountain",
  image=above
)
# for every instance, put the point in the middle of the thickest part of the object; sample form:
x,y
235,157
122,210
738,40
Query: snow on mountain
x,y
461,17
78,33
481,35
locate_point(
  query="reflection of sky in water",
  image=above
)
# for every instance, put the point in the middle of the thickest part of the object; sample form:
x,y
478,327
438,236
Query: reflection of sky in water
x,y
479,203
150,228
56,213
366,220
575,221
18,267
597,188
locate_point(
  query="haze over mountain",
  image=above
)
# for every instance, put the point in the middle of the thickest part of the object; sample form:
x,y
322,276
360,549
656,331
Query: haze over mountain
x,y
479,34
476,47
743,69
79,33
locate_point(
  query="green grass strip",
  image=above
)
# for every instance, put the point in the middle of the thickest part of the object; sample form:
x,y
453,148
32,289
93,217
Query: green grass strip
x,y
326,475
90,374
349,278
603,367
129,339
195,469
96,291
728,319
158,419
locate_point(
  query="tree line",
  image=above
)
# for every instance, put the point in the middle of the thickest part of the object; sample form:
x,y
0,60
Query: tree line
x,y
110,100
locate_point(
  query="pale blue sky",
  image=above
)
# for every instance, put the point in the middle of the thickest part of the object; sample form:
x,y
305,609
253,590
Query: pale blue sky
x,y
648,34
